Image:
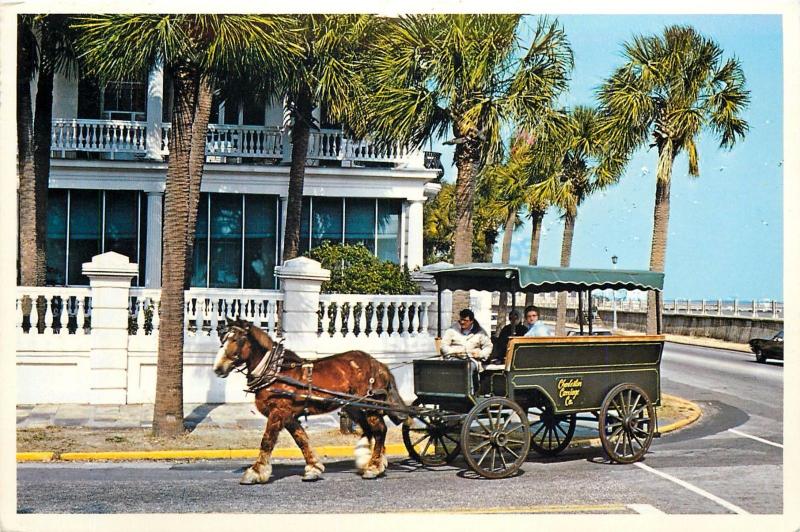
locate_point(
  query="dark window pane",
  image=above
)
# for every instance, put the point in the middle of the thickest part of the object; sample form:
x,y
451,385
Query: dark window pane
x,y
259,241
359,222
304,219
326,222
226,241
199,261
85,222
121,223
56,236
389,230
253,112
142,237
231,112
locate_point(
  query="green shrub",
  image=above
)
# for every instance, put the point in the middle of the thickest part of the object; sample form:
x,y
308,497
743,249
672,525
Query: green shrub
x,y
355,270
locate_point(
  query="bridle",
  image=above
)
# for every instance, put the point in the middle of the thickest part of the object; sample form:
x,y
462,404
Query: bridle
x,y
238,362
266,371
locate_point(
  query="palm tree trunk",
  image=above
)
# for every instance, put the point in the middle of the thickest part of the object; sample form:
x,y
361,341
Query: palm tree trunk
x,y
27,190
658,250
42,135
467,165
301,131
566,255
536,236
197,161
168,409
505,258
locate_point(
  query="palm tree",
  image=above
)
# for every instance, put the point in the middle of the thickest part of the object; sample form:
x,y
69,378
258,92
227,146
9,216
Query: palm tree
x,y
672,87
196,51
324,72
469,75
44,47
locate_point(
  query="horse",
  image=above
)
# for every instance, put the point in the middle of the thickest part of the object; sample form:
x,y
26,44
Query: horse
x,y
287,386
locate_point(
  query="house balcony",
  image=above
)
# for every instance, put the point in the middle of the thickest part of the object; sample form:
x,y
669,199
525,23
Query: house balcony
x,y
226,144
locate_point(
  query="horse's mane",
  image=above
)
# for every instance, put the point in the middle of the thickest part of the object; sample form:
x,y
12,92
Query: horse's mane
x,y
263,339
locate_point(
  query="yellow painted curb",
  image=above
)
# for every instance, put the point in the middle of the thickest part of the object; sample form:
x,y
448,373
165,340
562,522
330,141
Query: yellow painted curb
x,y
42,456
331,451
694,414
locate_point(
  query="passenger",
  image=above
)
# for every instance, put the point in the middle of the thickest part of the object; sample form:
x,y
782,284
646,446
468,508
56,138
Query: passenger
x,y
467,339
514,328
535,327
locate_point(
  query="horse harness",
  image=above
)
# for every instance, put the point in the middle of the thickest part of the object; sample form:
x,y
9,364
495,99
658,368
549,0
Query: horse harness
x,y
268,370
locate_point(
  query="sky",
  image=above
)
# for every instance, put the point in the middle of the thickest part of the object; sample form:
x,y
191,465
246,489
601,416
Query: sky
x,y
726,227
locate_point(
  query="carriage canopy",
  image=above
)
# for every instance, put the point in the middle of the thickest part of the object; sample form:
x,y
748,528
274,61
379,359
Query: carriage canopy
x,y
522,278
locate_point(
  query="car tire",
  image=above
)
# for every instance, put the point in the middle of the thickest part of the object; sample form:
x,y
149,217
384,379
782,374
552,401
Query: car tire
x,y
760,356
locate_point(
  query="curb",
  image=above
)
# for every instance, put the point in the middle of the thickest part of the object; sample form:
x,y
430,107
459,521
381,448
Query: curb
x,y
330,451
739,348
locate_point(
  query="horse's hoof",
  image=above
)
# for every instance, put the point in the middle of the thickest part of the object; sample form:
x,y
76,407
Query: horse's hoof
x,y
252,476
313,472
372,473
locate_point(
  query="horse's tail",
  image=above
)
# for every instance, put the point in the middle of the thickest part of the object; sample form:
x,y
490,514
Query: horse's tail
x,y
393,396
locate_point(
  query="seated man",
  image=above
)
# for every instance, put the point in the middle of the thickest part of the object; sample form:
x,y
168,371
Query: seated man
x,y
467,339
535,327
514,328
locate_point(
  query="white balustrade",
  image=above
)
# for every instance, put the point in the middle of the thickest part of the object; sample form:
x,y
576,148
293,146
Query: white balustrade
x,y
56,312
373,315
228,140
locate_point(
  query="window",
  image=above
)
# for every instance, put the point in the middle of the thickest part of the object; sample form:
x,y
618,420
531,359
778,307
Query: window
x,y
125,100
235,241
388,230
85,223
375,223
360,222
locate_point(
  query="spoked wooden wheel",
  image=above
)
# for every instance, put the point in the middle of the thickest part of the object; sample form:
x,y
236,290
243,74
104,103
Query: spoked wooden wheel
x,y
627,423
550,433
495,438
431,440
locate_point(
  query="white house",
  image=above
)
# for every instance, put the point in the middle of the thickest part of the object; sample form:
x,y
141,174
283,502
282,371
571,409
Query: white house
x,y
83,340
107,180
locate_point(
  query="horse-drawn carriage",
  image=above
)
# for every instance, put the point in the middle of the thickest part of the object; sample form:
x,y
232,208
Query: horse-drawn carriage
x,y
493,417
534,398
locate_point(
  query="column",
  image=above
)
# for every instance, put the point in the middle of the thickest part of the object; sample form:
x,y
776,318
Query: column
x,y
152,273
155,102
110,277
414,258
301,279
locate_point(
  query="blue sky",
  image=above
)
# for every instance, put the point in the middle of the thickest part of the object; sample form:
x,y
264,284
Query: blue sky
x,y
726,226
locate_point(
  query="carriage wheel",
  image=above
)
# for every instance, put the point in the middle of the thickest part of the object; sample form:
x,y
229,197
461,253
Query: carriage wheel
x,y
430,440
495,438
627,423
551,433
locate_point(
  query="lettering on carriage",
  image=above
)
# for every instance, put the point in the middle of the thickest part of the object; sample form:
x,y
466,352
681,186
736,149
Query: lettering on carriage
x,y
569,389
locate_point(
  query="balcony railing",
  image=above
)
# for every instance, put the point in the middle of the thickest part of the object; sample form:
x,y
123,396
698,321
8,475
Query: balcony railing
x,y
228,143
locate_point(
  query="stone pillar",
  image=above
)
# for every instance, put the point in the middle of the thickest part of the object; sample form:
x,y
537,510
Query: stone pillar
x,y
155,103
301,279
415,234
152,272
110,277
427,286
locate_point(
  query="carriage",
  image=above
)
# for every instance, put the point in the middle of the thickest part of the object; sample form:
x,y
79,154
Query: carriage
x,y
493,417
545,385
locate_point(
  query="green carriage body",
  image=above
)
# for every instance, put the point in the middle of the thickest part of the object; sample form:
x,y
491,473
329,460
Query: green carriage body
x,y
615,378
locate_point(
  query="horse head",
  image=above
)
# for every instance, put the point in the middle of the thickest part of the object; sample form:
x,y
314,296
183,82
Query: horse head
x,y
241,342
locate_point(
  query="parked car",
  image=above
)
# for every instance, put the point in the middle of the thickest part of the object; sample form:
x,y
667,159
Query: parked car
x,y
764,349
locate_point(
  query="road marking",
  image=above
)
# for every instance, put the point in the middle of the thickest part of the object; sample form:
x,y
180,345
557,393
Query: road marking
x,y
722,502
762,440
544,509
644,509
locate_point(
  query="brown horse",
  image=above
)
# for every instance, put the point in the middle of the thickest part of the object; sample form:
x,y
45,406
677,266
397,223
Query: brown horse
x,y
292,386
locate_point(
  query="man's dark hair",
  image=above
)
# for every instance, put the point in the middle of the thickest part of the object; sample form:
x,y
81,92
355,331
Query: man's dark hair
x,y
531,308
513,313
467,313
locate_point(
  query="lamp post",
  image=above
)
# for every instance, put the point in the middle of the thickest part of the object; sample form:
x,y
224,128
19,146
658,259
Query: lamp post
x,y
614,294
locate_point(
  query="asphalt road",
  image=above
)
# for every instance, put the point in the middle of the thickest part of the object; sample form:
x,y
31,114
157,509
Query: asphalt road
x,y
728,462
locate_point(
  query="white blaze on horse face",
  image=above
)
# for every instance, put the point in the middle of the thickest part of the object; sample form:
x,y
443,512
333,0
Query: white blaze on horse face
x,y
223,365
